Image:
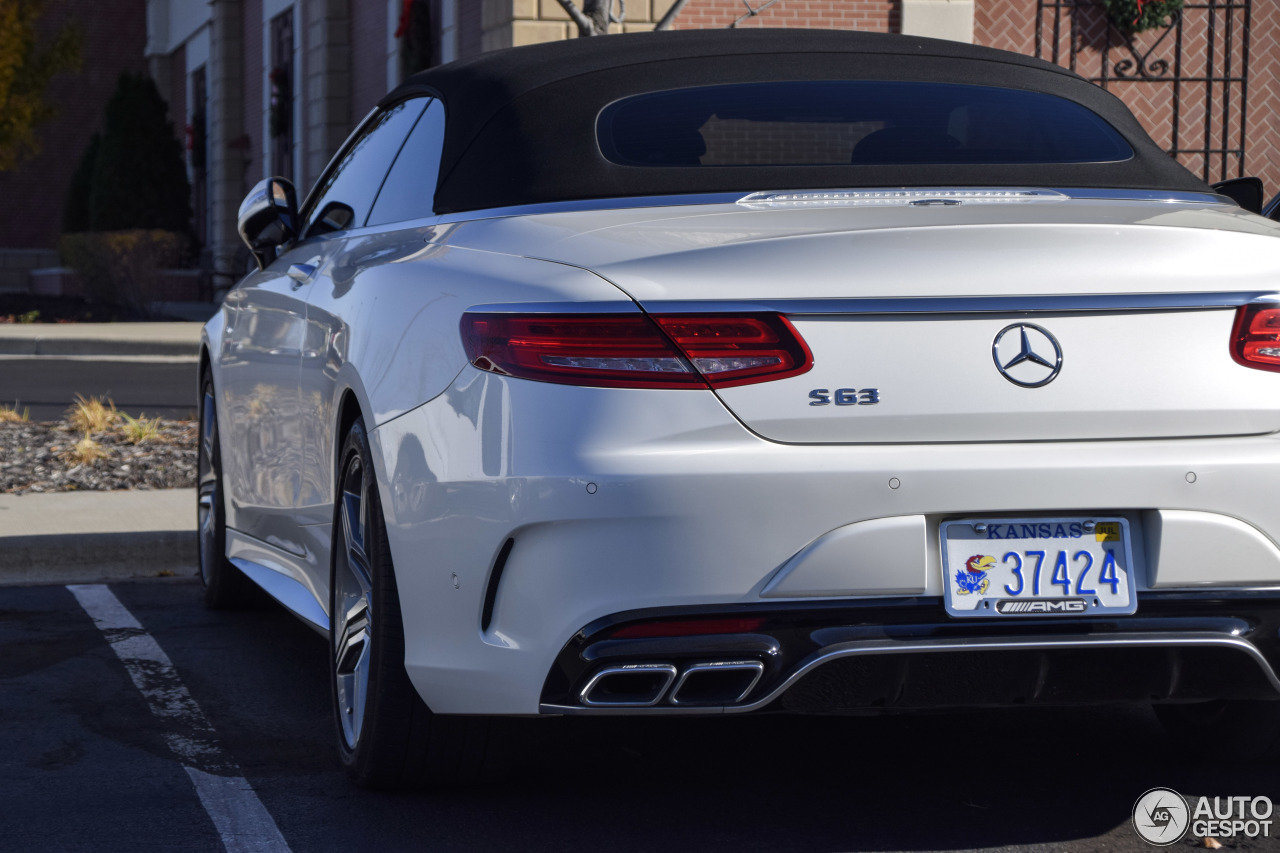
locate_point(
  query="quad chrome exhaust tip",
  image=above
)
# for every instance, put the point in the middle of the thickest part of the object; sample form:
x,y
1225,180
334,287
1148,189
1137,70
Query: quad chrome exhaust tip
x,y
636,685
717,683
644,685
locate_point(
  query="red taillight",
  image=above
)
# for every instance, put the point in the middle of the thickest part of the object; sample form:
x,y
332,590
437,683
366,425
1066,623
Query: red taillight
x,y
688,628
739,349
631,351
1255,340
611,350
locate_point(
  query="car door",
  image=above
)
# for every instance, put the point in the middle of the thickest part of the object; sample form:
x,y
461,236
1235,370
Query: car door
x,y
336,301
261,352
267,340
332,217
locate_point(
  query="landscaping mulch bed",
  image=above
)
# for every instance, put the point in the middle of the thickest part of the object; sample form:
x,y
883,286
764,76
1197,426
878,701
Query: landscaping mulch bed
x,y
42,457
28,308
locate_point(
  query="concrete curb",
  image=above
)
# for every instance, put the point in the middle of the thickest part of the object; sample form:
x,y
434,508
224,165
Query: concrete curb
x,y
85,537
144,368
96,557
96,339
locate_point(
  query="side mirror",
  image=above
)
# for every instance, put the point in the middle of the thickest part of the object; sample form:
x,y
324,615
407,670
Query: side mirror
x,y
1246,192
268,218
336,216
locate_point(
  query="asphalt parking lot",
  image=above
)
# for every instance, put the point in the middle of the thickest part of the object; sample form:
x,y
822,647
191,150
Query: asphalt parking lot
x,y
100,741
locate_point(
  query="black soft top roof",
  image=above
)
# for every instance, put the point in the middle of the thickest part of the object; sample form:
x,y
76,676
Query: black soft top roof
x,y
520,125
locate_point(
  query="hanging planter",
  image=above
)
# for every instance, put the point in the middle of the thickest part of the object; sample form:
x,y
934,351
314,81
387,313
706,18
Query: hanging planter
x,y
1137,16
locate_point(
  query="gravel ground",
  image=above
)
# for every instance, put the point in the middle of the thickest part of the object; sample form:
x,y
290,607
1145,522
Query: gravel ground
x,y
40,457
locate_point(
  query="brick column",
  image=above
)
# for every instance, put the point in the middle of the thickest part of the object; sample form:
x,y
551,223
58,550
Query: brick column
x,y
225,132
327,92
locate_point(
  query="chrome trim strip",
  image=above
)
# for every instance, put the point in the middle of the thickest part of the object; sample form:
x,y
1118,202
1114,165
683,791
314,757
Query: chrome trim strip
x,y
631,202
890,647
664,668
293,595
720,666
971,304
610,307
904,305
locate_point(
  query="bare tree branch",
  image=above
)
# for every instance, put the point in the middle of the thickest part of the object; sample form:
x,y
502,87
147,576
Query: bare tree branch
x,y
598,12
594,16
583,22
751,13
670,18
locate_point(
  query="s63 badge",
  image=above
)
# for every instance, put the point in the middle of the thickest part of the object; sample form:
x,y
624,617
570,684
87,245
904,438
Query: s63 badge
x,y
844,396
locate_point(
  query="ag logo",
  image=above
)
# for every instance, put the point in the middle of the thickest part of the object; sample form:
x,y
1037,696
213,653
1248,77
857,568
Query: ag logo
x,y
1160,817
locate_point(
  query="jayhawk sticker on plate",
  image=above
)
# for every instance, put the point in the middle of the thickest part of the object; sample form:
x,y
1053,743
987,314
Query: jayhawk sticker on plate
x,y
973,577
1035,567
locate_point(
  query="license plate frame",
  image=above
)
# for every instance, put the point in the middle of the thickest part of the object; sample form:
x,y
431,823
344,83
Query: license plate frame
x,y
979,579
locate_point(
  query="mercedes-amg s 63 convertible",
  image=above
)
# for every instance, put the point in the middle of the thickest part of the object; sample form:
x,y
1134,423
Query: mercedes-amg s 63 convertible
x,y
721,372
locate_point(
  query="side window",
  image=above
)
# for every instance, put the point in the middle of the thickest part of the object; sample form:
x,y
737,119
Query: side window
x,y
345,193
410,187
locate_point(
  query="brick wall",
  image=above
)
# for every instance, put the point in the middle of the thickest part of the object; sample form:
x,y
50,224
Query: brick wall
x,y
368,55
1262,137
510,23
882,16
507,23
114,35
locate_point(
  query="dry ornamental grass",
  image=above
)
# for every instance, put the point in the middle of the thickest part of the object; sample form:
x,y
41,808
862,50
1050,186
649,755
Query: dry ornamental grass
x,y
95,448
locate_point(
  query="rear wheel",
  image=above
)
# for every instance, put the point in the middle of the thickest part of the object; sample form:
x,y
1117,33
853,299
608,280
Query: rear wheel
x,y
1236,730
224,585
387,737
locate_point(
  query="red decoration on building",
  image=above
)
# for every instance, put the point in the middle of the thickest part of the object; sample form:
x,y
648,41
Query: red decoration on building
x,y
406,13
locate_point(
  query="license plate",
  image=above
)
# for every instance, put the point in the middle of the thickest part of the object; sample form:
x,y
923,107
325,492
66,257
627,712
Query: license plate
x,y
1076,566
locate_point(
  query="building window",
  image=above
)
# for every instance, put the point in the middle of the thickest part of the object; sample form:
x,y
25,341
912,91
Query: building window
x,y
280,95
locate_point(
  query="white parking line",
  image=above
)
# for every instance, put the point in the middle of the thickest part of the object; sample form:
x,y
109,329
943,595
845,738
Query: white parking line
x,y
239,816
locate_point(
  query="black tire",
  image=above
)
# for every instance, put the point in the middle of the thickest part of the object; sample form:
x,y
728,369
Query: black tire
x,y
225,587
388,739
1236,730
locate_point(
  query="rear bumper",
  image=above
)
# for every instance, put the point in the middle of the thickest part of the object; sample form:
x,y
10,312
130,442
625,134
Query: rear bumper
x,y
519,512
906,655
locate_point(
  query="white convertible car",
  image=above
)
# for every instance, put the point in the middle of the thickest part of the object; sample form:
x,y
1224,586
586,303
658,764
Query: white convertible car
x,y
719,372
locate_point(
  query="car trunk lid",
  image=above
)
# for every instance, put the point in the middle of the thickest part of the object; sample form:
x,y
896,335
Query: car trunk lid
x,y
916,316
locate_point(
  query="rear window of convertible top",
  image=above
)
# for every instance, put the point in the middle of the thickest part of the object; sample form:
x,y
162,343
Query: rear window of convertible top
x,y
822,123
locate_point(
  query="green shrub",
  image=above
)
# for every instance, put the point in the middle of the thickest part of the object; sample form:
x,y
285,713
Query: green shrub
x,y
122,267
131,178
75,210
139,178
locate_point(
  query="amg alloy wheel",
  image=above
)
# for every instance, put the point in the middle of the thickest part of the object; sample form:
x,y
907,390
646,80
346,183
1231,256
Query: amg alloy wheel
x,y
387,737
352,589
224,585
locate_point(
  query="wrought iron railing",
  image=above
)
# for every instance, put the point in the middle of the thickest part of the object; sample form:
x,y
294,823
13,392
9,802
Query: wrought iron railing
x,y
1203,55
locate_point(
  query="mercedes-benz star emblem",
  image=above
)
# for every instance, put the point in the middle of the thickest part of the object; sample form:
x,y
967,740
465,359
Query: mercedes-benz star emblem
x,y
1027,355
